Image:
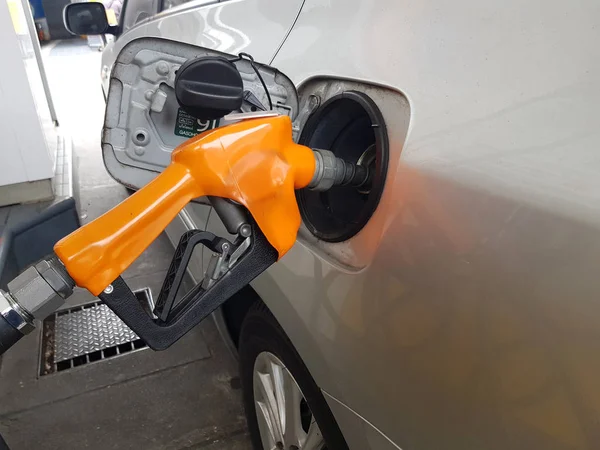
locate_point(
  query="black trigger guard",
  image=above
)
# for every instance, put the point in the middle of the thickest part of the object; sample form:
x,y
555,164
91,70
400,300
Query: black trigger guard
x,y
195,305
178,267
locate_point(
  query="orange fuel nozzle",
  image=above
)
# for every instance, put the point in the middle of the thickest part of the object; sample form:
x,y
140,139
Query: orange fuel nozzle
x,y
254,162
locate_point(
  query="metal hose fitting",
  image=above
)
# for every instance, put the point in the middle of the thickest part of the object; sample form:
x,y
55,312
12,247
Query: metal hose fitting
x,y
333,171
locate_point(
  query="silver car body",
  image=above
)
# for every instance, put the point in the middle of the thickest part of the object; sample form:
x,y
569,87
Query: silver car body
x,y
465,315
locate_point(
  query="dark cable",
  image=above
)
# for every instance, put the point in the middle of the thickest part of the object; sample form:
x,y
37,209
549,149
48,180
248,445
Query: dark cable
x,y
264,85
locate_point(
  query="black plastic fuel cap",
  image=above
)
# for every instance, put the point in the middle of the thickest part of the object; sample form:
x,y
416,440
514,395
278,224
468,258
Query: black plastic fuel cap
x,y
209,87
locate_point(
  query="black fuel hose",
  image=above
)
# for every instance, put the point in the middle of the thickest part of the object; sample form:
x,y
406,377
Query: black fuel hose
x,y
3,444
8,337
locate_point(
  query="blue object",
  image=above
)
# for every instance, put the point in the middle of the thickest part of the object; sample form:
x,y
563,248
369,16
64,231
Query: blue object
x,y
37,8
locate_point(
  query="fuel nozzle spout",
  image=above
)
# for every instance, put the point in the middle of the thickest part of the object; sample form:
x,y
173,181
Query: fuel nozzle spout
x,y
332,171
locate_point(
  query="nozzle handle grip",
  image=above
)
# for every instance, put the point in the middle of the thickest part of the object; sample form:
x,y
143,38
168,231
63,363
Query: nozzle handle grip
x,y
254,162
99,252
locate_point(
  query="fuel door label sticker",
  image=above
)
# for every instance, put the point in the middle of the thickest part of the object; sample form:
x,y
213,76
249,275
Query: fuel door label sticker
x,y
188,126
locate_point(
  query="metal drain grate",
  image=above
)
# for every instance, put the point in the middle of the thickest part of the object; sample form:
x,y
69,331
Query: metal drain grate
x,y
85,334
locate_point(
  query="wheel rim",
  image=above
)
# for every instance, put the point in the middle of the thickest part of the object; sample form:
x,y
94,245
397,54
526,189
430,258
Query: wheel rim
x,y
284,418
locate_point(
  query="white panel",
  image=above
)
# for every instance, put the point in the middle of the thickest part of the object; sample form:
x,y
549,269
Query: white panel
x,y
24,155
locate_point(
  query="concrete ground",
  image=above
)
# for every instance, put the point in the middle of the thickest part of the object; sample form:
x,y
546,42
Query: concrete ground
x,y
186,397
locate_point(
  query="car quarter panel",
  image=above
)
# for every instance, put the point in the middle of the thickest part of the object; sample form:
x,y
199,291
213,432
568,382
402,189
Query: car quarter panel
x,y
474,323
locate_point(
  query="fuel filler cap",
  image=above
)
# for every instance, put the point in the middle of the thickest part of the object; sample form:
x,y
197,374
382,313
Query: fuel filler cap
x,y
209,87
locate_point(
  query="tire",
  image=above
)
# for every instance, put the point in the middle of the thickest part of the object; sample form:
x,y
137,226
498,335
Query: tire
x,y
263,347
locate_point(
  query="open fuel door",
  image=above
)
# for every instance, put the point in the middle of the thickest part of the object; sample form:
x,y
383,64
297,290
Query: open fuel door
x,y
144,121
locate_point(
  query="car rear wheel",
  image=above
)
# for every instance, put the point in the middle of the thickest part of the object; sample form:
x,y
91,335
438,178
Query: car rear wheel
x,y
284,406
